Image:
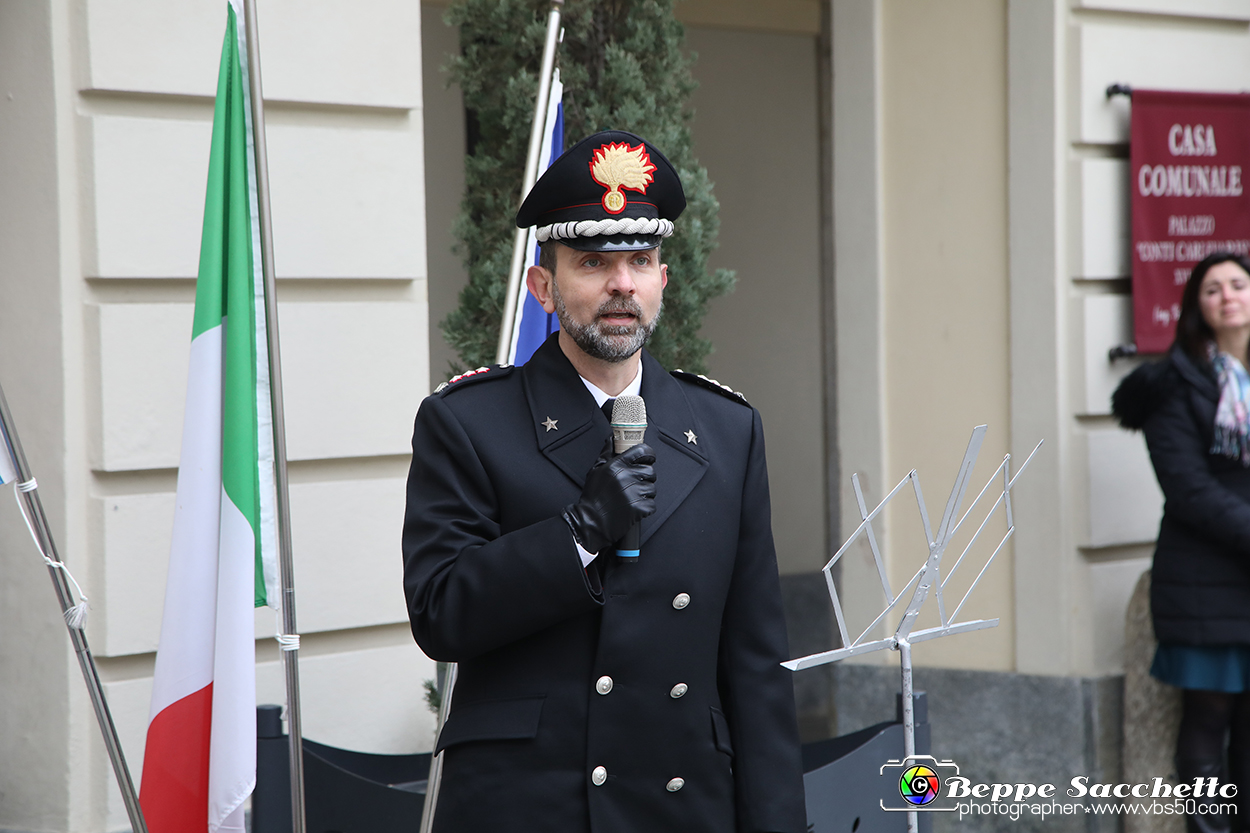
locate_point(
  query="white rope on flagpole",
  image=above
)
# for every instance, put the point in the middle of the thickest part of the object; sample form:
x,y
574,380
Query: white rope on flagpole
x,y
76,616
27,493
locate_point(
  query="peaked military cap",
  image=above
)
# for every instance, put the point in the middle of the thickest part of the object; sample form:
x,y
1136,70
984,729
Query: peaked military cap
x,y
612,191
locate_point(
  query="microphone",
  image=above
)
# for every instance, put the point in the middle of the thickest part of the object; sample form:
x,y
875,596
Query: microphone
x,y
629,426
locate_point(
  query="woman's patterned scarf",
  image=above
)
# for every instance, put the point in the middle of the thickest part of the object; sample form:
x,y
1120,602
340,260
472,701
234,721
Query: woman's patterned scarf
x,y
1232,415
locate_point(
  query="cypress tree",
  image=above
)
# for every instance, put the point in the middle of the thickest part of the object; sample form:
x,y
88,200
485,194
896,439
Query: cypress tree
x,y
623,67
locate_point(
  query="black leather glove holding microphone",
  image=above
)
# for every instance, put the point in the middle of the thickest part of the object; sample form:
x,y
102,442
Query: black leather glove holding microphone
x,y
617,493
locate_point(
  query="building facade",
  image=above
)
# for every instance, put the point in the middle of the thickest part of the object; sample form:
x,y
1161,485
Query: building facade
x,y
927,207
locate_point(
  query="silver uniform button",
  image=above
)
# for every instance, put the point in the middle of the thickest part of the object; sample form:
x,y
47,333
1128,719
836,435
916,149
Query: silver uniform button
x,y
681,600
600,775
604,685
678,690
675,784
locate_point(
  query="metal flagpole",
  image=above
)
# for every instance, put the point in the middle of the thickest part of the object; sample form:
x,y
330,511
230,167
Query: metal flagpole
x,y
519,243
28,492
289,638
436,761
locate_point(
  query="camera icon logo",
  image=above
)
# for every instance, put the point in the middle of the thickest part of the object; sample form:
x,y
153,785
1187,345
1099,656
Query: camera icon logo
x,y
919,785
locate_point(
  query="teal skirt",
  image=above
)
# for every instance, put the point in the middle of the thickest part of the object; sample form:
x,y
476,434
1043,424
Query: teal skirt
x,y
1205,668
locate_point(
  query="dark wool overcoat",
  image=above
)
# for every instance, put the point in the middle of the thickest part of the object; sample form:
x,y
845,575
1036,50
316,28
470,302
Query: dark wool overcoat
x,y
1200,582
656,668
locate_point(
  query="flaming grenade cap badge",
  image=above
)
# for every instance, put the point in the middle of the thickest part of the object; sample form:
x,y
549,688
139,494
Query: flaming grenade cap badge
x,y
616,166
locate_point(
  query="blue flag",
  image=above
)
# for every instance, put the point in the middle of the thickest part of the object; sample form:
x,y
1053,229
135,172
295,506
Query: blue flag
x,y
533,323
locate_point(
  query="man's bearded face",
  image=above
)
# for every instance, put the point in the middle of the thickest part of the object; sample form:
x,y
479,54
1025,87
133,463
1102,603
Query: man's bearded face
x,y
618,325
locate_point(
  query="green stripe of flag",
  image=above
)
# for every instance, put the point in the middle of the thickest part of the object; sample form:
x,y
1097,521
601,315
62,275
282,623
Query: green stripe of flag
x,y
225,290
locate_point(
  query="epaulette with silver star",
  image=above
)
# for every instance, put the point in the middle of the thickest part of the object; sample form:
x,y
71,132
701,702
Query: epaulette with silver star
x,y
711,384
494,371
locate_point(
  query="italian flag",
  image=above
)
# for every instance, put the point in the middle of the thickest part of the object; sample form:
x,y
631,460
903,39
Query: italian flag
x,y
200,760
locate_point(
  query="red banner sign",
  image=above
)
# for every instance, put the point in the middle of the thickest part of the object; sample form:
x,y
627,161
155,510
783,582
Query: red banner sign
x,y
1190,159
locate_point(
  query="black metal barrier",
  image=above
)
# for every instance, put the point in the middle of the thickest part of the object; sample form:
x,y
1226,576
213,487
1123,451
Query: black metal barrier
x,y
344,791
843,782
358,792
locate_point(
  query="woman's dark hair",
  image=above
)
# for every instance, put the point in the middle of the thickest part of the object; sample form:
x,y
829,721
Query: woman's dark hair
x,y
1193,333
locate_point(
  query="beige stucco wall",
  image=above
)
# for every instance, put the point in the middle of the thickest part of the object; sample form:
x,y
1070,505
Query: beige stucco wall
x,y
944,126
920,196
982,238
105,114
767,333
1070,300
948,316
35,695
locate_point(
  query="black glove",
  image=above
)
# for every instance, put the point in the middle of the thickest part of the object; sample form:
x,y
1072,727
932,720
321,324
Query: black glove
x,y
618,492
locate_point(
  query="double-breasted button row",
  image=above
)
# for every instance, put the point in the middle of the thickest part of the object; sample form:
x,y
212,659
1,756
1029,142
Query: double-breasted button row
x,y
604,685
599,776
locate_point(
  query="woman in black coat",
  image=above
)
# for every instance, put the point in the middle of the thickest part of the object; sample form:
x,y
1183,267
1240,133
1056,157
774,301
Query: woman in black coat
x,y
1194,407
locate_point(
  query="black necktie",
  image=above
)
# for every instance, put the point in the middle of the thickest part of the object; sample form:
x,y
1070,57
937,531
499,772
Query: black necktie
x,y
607,409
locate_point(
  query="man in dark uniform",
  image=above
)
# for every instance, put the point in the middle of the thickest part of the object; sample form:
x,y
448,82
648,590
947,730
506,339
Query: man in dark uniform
x,y
601,692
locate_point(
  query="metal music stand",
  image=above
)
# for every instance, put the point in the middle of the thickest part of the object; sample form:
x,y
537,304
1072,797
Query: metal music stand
x,y
928,579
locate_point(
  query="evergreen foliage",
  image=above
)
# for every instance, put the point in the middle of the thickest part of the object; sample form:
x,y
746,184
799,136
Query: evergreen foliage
x,y
622,66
